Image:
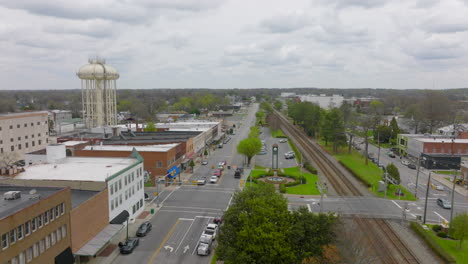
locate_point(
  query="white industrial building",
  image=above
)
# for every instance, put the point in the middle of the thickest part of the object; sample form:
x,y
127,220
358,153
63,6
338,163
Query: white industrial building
x,y
98,88
123,177
324,101
21,133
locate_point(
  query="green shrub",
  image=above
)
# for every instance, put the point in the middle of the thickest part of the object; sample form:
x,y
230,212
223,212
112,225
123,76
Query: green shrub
x,y
437,228
442,234
282,188
310,168
417,228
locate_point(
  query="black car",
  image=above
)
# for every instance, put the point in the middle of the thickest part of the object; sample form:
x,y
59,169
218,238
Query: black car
x,y
129,245
143,229
412,166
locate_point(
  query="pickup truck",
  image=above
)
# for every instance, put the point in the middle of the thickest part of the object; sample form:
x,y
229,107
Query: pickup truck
x,y
204,245
211,230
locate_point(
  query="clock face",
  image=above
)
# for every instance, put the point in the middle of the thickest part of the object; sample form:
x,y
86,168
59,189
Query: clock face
x,y
275,148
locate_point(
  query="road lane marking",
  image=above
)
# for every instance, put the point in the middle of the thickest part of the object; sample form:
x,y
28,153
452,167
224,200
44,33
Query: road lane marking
x,y
440,216
170,194
308,207
164,242
229,203
182,240
186,219
202,208
397,204
192,212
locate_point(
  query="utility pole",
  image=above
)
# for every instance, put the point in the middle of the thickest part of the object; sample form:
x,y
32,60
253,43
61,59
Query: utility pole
x,y
385,193
417,177
127,229
427,194
453,194
300,168
378,155
157,191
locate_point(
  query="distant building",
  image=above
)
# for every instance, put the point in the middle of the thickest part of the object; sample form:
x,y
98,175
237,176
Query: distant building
x,y
35,225
449,131
324,101
21,133
288,95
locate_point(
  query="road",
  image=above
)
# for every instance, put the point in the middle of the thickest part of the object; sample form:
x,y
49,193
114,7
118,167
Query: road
x,y
186,210
408,179
265,160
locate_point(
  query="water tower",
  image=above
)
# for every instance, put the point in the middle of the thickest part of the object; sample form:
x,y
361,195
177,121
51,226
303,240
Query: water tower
x,y
98,90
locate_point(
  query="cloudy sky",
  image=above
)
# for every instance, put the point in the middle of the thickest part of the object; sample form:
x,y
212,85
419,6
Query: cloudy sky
x,y
237,43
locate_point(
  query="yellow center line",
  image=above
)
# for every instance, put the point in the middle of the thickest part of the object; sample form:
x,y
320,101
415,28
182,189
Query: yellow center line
x,y
164,242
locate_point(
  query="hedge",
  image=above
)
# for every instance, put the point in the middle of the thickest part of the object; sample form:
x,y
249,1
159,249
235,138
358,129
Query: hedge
x,y
432,243
282,188
310,168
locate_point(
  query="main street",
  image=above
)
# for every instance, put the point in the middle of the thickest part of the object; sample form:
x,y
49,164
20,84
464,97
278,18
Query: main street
x,y
186,210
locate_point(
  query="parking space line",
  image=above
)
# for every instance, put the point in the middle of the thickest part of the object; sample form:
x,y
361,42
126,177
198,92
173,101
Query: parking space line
x,y
182,240
164,241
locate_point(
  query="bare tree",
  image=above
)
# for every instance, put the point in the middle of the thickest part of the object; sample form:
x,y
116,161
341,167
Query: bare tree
x,y
7,159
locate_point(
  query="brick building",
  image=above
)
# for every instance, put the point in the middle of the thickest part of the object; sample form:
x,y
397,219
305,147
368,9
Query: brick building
x,y
35,226
158,159
23,132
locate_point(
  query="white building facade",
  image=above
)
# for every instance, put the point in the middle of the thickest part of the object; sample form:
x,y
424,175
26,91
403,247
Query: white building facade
x,y
324,101
23,132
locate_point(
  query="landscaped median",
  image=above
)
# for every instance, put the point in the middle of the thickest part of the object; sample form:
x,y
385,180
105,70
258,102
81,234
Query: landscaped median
x,y
369,174
307,187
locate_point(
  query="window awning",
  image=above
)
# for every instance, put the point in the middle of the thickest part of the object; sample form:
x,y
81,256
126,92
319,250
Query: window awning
x,y
99,241
120,218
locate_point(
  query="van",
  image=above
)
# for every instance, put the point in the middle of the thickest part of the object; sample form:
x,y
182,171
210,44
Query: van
x,y
237,173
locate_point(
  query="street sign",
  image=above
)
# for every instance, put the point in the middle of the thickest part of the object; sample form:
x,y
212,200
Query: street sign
x,y
173,172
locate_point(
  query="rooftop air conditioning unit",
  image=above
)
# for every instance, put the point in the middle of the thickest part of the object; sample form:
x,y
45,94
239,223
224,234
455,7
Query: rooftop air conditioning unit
x,y
12,195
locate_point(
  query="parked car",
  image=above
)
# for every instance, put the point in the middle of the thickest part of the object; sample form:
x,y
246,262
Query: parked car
x,y
211,230
412,166
444,203
205,162
391,155
220,145
144,229
226,140
289,156
147,197
220,167
214,179
439,187
129,245
201,181
218,220
283,140
237,173
204,245
405,162
218,173
263,152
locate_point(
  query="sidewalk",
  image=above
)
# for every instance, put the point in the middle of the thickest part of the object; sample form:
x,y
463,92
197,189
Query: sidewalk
x,y
441,178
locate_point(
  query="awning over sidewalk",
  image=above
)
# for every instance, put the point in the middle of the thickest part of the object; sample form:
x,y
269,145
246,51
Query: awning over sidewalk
x,y
120,218
99,241
218,137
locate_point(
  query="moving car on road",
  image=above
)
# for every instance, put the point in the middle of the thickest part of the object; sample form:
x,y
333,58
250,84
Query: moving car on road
x,y
283,140
439,187
214,179
405,162
412,166
444,203
144,229
129,245
391,155
205,162
201,181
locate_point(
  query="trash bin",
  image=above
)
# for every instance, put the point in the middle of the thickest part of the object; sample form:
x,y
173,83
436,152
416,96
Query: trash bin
x,y
152,210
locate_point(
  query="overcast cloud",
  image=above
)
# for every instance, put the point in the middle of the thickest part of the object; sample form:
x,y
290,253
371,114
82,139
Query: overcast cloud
x,y
237,43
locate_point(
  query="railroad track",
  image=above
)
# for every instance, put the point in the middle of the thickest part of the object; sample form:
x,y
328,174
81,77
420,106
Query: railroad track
x,y
378,231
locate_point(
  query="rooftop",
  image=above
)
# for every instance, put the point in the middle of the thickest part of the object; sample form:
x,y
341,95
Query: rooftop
x,y
78,169
16,115
73,143
152,148
442,140
9,207
80,196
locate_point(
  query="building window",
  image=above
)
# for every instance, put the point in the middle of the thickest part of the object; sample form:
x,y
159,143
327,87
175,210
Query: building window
x,y
112,189
38,134
27,228
22,258
53,238
133,209
47,140
141,202
120,184
59,234
112,205
15,260
38,123
159,164
125,178
33,224
11,127
32,135
19,146
32,124
36,250
39,221
64,230
20,232
4,240
39,142
25,125
46,217
26,145
12,236
33,143
52,215
19,138
18,126
12,148
120,198
41,246
11,140
29,254
57,211
47,242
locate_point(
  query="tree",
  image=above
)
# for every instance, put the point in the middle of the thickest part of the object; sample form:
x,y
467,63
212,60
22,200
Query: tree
x,y
332,128
249,147
150,127
7,159
258,228
254,132
436,109
383,134
205,152
191,164
395,130
278,105
393,172
459,227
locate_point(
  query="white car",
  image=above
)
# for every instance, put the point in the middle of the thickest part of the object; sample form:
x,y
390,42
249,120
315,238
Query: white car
x,y
439,187
211,230
201,181
214,179
205,162
405,162
283,140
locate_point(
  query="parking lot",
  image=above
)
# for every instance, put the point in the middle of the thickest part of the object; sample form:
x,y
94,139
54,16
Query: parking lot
x,y
266,159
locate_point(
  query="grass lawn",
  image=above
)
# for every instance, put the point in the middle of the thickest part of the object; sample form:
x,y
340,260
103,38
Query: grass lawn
x,y
258,167
369,173
307,189
277,133
149,184
447,172
451,246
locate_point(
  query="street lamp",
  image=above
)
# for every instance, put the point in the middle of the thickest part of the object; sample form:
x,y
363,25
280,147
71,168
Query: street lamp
x,y
427,194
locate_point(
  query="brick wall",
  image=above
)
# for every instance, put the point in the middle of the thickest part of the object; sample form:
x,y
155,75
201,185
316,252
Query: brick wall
x,y
88,219
445,148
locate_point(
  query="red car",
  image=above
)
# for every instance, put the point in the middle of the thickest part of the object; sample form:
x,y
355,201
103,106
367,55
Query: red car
x,y
217,173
